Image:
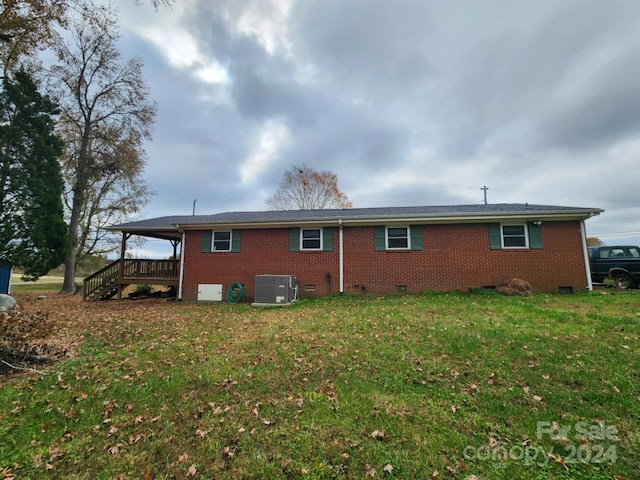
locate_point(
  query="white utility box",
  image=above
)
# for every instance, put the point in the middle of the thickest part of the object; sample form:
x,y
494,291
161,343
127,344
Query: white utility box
x,y
210,292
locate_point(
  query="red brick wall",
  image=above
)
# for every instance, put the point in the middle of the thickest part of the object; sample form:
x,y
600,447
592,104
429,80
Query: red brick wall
x,y
454,257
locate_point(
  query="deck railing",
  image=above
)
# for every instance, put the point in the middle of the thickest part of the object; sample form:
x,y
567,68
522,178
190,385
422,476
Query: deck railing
x,y
141,269
133,271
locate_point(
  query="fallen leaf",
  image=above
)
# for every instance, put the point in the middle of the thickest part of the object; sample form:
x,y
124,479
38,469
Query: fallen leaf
x,y
558,459
371,472
377,435
192,471
388,469
183,457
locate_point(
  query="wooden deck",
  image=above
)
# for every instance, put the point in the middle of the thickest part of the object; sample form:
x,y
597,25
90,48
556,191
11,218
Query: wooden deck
x,y
114,278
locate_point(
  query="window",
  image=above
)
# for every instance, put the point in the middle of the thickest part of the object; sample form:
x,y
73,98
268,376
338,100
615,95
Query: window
x,y
619,252
311,238
514,236
398,238
522,235
221,242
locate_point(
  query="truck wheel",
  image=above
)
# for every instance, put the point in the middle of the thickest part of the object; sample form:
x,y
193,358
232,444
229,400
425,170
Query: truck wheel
x,y
622,281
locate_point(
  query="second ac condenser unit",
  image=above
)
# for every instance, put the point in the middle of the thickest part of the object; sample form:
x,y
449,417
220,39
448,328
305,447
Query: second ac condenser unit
x,y
275,289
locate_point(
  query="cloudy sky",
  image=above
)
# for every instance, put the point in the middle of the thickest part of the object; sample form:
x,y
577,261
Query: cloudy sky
x,y
409,102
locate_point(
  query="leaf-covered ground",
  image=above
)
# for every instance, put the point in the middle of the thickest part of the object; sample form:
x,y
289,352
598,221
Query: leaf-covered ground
x,y
456,386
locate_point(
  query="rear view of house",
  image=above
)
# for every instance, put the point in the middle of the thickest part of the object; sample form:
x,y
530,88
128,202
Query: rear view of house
x,y
367,250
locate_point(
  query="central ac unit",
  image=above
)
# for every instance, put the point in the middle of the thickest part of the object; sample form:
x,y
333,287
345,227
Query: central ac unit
x,y
275,289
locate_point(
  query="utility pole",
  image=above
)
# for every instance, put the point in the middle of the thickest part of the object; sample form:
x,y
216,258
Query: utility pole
x,y
484,189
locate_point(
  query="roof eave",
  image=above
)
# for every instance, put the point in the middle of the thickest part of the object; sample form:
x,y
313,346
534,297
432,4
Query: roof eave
x,y
539,215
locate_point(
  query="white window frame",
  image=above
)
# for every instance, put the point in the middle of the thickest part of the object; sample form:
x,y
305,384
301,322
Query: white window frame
x,y
526,235
386,237
213,240
315,249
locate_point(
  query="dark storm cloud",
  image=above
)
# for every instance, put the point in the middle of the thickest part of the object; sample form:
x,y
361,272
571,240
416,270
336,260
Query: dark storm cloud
x,y
411,100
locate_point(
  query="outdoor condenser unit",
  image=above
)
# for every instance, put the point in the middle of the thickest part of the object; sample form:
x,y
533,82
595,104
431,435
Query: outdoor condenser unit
x,y
275,289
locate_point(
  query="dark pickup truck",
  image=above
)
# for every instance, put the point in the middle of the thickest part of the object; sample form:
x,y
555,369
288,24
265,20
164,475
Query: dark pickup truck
x,y
621,263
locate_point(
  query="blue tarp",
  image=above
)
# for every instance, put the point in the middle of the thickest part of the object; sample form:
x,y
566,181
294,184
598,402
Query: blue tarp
x,y
5,277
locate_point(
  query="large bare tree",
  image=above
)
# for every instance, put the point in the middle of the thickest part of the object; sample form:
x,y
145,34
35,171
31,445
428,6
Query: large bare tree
x,y
303,188
106,115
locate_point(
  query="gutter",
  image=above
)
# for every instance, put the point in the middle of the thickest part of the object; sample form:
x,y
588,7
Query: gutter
x,y
399,219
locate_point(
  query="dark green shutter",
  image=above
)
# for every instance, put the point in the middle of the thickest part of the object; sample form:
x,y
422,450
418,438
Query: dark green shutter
x,y
236,238
294,239
380,233
495,236
327,239
206,241
416,237
535,236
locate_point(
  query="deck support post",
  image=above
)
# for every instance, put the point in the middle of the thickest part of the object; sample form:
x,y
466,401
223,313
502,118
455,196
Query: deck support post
x,y
123,250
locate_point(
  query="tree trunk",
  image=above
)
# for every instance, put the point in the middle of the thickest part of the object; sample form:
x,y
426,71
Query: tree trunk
x,y
77,204
69,283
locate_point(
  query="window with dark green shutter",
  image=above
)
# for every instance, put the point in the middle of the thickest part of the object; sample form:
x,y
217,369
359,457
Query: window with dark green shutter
x,y
520,235
221,241
398,238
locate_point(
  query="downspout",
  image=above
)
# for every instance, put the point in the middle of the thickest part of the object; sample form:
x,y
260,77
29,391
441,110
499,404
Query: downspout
x,y
585,254
181,277
341,254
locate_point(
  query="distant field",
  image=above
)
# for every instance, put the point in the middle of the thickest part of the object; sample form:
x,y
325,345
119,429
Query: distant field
x,y
433,386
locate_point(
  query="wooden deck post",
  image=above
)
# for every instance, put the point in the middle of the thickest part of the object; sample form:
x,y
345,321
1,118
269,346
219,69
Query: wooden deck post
x,y
123,249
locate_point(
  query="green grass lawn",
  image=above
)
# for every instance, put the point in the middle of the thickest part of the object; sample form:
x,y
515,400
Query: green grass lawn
x,y
461,386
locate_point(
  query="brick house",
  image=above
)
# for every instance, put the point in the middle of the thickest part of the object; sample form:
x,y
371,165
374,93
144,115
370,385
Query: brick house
x,y
369,250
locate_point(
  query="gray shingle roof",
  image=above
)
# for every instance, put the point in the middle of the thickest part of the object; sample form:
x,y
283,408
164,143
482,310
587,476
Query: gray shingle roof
x,y
420,213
